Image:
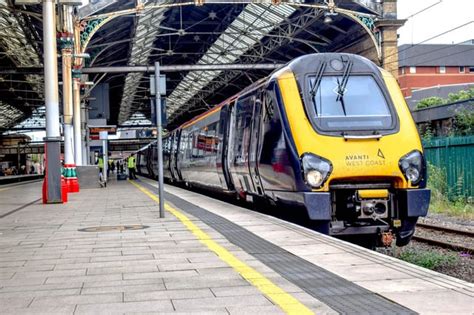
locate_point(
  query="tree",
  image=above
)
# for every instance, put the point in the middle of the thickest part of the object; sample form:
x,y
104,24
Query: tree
x,y
429,102
464,122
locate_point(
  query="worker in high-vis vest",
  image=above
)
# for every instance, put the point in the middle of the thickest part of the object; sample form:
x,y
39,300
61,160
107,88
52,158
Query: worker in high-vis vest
x,y
131,167
100,164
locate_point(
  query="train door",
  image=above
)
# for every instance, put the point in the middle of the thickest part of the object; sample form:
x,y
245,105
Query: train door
x,y
240,135
255,144
167,156
173,150
222,164
151,159
175,156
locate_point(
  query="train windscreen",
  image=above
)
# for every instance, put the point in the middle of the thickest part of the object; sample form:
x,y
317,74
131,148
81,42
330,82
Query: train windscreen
x,y
354,103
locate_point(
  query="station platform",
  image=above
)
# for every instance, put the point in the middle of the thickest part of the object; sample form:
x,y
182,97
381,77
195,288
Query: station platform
x,y
107,252
5,180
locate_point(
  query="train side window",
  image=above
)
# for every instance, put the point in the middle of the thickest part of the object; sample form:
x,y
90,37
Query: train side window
x,y
244,111
197,143
175,143
211,140
269,106
166,146
186,136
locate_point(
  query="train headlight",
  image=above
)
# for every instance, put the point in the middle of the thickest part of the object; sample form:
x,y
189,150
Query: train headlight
x,y
411,166
316,169
314,178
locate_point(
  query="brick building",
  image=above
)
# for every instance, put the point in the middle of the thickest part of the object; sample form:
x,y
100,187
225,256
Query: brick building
x,y
422,66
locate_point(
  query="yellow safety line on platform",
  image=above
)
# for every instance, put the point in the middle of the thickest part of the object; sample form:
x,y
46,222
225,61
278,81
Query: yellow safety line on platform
x,y
284,300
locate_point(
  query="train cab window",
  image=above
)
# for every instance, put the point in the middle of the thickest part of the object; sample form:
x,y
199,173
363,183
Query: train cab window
x,y
360,106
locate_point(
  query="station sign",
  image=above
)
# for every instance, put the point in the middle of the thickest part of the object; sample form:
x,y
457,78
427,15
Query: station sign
x,y
94,131
162,85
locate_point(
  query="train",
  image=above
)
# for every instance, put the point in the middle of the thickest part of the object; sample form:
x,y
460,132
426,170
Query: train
x,y
328,133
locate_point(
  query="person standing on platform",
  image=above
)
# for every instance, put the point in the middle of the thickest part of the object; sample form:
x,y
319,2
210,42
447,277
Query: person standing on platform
x,y
131,167
112,166
109,168
100,164
39,168
121,166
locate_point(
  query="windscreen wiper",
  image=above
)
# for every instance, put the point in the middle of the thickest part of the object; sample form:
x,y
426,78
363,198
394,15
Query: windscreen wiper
x,y
341,86
317,81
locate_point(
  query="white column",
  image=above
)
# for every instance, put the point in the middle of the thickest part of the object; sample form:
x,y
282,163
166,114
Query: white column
x,y
77,122
51,96
50,70
159,143
67,106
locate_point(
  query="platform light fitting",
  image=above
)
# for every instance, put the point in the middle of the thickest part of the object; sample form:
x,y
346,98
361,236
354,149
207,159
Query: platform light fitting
x,y
33,2
81,55
328,17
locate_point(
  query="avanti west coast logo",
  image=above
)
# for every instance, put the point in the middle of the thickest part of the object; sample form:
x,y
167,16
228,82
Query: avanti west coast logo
x,y
356,160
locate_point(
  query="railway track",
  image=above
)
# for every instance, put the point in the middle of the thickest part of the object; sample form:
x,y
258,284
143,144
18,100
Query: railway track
x,y
440,236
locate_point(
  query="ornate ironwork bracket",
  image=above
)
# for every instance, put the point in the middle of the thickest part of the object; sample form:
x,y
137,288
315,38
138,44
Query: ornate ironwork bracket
x,y
89,28
66,41
369,22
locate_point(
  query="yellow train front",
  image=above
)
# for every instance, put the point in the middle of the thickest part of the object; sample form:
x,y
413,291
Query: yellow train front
x,y
329,133
358,148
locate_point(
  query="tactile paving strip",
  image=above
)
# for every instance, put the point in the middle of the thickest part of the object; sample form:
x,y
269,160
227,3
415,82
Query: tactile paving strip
x,y
338,293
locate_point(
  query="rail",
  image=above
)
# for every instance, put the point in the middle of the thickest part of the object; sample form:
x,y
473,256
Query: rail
x,y
444,236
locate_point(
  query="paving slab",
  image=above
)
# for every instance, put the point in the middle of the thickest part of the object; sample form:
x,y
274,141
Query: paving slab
x,y
18,196
48,266
398,281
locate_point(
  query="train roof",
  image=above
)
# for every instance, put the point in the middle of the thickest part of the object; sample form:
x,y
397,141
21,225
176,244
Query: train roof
x,y
309,63
300,65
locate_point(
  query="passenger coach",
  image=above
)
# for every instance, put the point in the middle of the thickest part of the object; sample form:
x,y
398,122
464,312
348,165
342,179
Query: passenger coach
x,y
329,133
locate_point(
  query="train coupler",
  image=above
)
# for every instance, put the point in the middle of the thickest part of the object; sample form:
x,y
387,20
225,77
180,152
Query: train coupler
x,y
387,238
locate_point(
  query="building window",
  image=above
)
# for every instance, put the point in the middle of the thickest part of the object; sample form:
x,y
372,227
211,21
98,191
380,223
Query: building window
x,y
462,69
471,69
412,69
442,69
403,70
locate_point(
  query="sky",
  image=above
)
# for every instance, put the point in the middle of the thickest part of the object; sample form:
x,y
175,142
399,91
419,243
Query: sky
x,y
445,15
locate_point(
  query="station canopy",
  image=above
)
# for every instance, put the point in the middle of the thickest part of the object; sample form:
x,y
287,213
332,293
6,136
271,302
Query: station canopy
x,y
182,33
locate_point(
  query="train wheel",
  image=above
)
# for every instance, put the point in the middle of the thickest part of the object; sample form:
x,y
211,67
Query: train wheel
x,y
320,226
260,204
368,241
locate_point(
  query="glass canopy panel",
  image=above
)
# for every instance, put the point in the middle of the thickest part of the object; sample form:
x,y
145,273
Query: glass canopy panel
x,y
20,51
148,26
256,20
